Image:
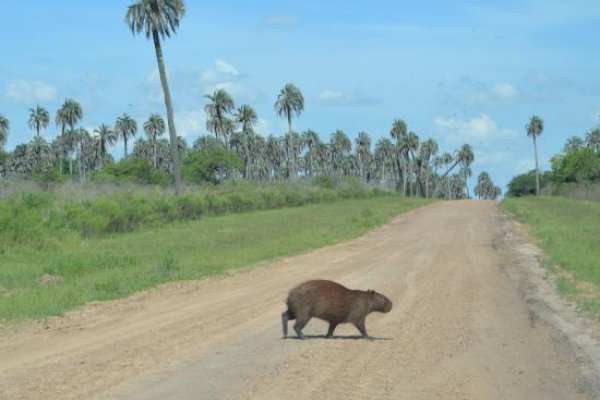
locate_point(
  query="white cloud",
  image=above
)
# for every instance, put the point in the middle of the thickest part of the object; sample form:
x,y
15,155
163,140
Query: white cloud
x,y
264,127
190,123
337,98
504,90
226,76
279,21
478,129
221,71
29,91
468,92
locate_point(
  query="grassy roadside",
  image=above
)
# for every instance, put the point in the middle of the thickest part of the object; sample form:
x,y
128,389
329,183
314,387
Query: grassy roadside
x,y
120,264
569,233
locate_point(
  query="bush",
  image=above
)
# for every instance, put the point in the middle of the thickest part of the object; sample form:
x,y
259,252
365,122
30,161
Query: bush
x,y
210,164
131,170
524,184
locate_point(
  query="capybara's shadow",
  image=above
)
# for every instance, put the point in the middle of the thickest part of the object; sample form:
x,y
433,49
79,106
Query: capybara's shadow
x,y
339,337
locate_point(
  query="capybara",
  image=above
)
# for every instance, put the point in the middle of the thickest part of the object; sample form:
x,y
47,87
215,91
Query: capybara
x,y
333,303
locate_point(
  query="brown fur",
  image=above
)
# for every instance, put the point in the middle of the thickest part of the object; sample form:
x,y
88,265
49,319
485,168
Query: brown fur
x,y
333,303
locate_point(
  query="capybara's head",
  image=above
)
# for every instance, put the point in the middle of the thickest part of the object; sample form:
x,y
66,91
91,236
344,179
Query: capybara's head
x,y
379,302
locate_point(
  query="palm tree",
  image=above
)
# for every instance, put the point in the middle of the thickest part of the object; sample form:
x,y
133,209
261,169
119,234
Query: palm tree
x,y
534,128
363,152
38,151
289,102
105,136
70,113
429,148
573,143
592,140
246,117
4,129
398,132
38,119
384,152
160,18
340,146
311,141
154,127
125,128
217,110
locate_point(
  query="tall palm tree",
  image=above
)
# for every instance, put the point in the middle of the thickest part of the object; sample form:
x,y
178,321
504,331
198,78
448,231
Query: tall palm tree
x,y
340,146
246,117
534,128
399,132
125,128
384,154
160,18
70,113
289,102
363,152
311,140
429,148
154,127
38,119
221,104
105,136
4,129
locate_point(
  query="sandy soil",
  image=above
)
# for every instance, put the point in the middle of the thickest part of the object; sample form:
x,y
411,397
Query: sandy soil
x,y
474,317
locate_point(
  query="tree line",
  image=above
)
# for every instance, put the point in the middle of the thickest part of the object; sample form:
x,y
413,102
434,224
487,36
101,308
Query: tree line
x,y
402,161
577,164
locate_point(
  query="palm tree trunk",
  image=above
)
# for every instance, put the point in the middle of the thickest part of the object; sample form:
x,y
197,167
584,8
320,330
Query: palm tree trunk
x,y
170,116
292,161
125,141
537,169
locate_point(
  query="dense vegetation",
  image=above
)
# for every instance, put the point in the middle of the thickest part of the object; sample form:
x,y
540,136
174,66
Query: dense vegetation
x,y
48,273
567,230
34,217
575,171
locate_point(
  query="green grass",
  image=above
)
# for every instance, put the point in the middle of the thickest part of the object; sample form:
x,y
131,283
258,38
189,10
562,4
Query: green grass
x,y
119,264
569,233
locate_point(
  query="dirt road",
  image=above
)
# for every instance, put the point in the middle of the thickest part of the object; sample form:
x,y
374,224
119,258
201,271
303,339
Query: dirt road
x,y
466,324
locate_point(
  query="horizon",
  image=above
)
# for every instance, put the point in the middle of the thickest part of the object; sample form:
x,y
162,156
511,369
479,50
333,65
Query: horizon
x,y
472,72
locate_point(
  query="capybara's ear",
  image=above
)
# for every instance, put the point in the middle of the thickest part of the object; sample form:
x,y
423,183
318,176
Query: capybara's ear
x,y
371,291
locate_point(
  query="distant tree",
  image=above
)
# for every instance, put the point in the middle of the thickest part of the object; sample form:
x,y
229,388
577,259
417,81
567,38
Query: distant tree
x,y
363,153
534,128
70,113
399,133
105,136
217,111
125,128
592,140
574,143
160,18
525,184
39,118
289,102
4,130
154,127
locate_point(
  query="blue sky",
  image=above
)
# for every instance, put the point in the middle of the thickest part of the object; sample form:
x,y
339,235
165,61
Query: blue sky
x,y
456,71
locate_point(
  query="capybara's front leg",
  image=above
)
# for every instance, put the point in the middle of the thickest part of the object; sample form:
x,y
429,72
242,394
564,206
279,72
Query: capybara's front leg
x,y
360,325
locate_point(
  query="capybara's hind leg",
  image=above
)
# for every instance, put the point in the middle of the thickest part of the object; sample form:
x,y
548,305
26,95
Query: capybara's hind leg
x,y
285,317
332,326
301,322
